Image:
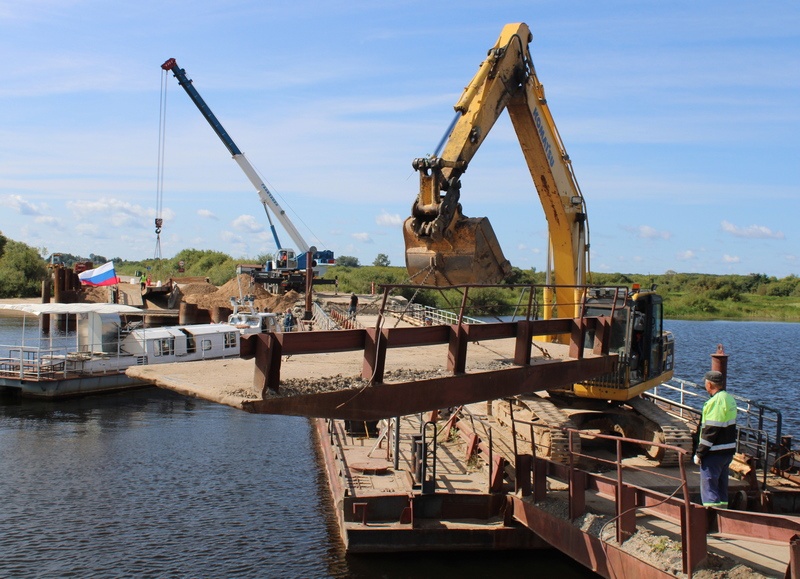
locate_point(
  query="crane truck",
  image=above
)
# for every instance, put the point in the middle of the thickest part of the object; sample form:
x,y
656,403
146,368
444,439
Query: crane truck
x,y
446,248
288,269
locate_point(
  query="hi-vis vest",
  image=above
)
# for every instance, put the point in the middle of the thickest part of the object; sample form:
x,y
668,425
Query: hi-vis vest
x,y
718,431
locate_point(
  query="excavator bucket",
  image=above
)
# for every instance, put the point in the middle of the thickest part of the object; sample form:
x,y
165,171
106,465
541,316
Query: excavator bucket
x,y
468,254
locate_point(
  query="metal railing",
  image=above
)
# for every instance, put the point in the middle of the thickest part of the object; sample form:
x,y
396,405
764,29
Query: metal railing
x,y
320,320
428,315
30,363
533,302
754,420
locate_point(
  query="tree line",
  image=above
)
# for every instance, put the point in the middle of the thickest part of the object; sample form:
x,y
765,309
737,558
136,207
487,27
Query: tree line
x,y
686,295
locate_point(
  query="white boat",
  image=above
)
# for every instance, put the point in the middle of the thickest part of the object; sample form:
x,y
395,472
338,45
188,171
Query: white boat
x,y
106,339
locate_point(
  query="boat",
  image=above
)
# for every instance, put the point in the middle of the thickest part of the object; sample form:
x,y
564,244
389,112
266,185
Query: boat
x,y
104,340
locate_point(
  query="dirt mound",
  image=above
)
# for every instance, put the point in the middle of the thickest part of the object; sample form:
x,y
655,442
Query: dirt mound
x,y
194,289
207,296
94,295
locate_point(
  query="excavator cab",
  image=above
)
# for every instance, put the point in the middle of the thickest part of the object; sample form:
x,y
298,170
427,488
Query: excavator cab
x,y
646,351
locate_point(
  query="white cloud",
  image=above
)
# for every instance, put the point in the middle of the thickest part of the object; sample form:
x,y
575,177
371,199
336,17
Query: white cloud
x,y
685,255
86,228
229,237
119,213
389,219
730,258
362,237
526,248
205,213
20,205
47,220
752,231
247,223
647,232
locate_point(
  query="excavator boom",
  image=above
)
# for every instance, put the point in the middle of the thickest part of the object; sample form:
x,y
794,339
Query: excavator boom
x,y
445,247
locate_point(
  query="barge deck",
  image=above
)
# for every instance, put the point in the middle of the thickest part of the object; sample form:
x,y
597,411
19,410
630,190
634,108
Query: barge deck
x,y
466,477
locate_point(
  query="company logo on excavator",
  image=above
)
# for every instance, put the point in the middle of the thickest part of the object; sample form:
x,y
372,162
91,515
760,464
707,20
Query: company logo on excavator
x,y
548,150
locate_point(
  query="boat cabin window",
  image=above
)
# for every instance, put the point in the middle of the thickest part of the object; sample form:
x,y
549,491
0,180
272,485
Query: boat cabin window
x,y
230,339
206,345
164,347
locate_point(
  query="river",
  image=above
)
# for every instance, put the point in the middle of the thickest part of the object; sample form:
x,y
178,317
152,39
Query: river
x,y
151,484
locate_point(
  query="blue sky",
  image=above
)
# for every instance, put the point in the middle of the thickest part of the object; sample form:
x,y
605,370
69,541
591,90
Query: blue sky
x,y
682,120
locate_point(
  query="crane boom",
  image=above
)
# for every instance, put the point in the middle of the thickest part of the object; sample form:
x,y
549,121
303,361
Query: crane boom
x,y
267,199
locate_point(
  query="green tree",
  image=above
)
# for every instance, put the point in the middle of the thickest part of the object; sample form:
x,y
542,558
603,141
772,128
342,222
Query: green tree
x,y
382,260
347,261
22,270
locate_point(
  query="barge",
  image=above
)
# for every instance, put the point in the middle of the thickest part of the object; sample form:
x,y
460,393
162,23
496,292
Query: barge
x,y
104,340
426,447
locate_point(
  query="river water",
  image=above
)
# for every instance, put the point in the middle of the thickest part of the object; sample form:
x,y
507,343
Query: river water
x,y
151,484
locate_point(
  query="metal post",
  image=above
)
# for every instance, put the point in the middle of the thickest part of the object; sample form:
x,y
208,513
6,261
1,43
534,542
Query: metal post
x,y
491,460
396,443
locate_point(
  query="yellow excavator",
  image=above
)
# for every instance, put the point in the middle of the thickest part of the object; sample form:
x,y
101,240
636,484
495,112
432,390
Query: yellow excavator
x,y
446,248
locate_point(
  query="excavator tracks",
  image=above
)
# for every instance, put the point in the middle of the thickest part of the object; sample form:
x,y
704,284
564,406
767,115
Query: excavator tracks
x,y
670,430
551,441
548,420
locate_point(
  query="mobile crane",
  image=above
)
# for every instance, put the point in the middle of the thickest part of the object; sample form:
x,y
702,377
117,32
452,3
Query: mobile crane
x,y
445,248
288,269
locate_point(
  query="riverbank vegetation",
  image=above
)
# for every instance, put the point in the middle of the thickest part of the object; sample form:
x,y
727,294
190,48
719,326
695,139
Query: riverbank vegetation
x,y
686,295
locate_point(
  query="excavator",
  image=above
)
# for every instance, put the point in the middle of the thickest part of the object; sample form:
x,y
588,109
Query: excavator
x,y
445,248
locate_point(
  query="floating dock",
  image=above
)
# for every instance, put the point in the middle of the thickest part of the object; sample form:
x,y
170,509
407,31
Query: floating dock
x,y
467,476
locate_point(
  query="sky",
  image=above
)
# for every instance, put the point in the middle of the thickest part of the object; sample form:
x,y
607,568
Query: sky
x,y
681,118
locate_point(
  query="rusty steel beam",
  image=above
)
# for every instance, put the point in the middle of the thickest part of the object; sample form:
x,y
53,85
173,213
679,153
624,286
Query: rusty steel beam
x,y
605,559
386,400
765,526
267,349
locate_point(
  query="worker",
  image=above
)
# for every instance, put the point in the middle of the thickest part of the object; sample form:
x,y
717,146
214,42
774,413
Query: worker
x,y
353,305
717,443
143,281
288,321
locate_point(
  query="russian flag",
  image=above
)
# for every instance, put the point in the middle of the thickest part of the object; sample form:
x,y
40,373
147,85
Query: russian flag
x,y
99,276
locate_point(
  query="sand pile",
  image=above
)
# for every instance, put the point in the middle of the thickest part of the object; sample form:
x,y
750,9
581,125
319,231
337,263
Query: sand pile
x,y
94,295
208,296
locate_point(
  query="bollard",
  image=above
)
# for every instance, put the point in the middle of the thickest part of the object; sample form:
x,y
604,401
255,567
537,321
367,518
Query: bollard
x,y
719,362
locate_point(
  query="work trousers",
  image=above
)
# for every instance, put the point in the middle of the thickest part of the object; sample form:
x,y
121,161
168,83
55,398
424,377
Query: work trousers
x,y
714,479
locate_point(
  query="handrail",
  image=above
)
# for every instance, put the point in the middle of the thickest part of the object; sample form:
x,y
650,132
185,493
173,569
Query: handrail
x,y
625,503
752,415
529,311
429,315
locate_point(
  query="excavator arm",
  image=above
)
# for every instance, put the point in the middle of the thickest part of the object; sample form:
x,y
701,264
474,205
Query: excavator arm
x,y
444,247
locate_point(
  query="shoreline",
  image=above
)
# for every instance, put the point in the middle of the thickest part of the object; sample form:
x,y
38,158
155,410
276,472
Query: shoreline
x,y
344,297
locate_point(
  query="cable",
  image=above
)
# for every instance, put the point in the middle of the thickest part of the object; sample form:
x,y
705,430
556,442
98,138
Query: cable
x,y
162,132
